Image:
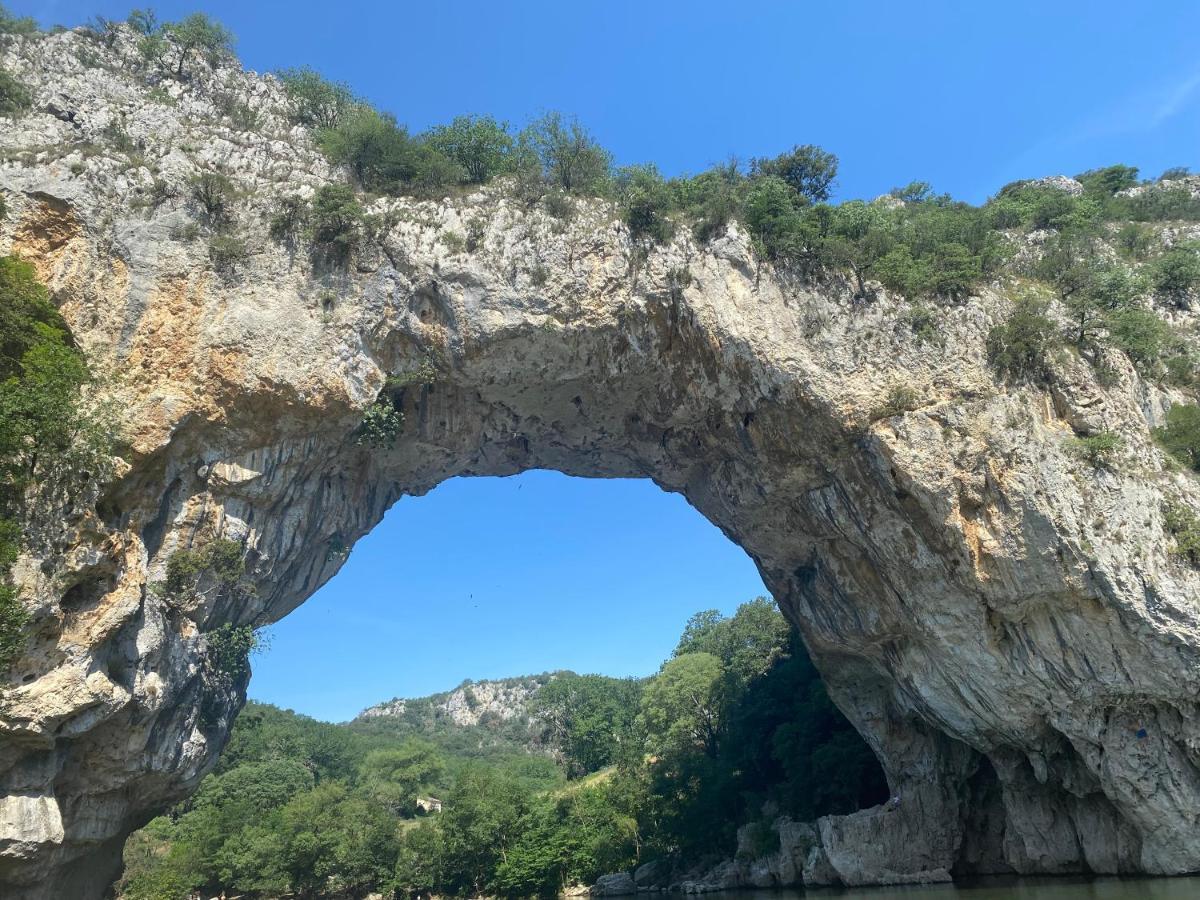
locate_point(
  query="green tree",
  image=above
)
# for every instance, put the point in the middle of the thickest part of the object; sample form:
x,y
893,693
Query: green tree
x,y
806,169
1176,273
382,156
198,35
394,777
479,145
590,719
1019,346
316,101
1180,436
1144,337
479,824
571,158
10,24
1109,180
682,705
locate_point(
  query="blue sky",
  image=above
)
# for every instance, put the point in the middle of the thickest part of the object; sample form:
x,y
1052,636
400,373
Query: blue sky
x,y
966,95
488,577
492,577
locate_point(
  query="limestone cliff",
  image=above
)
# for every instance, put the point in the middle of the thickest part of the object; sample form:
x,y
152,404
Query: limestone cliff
x,y
1000,619
467,706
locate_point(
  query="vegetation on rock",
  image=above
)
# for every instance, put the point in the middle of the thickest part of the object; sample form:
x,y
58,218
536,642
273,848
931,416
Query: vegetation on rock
x,y
51,446
302,807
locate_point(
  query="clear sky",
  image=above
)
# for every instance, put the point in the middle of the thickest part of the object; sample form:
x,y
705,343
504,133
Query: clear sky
x,y
488,577
966,94
493,577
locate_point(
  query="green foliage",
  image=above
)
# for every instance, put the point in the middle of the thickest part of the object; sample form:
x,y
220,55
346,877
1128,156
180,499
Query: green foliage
x,y
682,708
10,24
646,202
395,777
589,718
316,101
228,253
228,648
1180,436
570,157
901,398
381,425
15,99
50,446
1018,348
1143,336
710,200
143,21
215,194
1033,206
772,213
219,563
289,218
1098,449
336,223
1107,181
808,170
479,145
1176,274
383,157
197,35
1184,526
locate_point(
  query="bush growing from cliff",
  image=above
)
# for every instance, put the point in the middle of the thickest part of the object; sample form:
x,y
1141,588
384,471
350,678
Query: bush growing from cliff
x,y
1184,526
228,254
335,222
1180,436
215,194
48,442
381,426
1097,449
221,561
15,98
316,101
1018,348
645,201
1176,274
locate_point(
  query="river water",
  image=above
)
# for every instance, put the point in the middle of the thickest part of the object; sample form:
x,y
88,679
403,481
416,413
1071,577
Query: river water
x,y
1007,889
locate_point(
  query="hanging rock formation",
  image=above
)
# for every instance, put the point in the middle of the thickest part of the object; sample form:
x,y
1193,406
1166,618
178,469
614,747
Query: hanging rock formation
x,y
998,618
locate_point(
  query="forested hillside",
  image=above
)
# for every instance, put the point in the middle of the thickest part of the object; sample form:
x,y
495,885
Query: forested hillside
x,y
595,775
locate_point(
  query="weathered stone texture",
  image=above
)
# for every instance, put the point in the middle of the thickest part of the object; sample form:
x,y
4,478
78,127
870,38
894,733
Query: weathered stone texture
x,y
996,616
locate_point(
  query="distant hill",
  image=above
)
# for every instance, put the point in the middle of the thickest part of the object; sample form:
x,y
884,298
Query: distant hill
x,y
475,719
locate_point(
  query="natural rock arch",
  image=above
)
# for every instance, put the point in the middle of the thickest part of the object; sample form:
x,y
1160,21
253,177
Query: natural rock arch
x,y
997,618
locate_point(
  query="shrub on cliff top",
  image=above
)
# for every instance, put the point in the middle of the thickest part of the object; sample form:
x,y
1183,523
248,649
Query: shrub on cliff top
x,y
316,101
479,145
10,24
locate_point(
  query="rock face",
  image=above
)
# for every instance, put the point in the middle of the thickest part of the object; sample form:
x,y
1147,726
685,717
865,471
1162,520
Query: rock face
x,y
1002,621
468,704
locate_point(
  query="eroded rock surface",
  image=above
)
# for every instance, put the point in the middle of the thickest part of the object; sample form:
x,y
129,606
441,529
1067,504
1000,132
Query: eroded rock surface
x,y
1000,619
